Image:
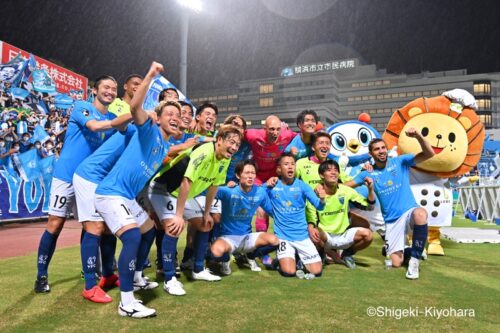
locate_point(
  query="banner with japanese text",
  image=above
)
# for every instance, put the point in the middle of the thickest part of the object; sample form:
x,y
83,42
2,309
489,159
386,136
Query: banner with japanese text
x,y
65,80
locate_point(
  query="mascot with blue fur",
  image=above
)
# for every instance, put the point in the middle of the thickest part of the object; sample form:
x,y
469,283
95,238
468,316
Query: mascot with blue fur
x,y
455,132
350,141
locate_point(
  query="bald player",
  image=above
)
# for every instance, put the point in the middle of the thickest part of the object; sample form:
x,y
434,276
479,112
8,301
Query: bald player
x,y
267,144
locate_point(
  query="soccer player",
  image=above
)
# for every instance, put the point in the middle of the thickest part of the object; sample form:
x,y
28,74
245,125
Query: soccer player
x,y
206,170
243,153
288,199
206,117
238,207
121,106
267,144
333,230
115,195
168,94
401,212
85,180
300,146
90,124
186,116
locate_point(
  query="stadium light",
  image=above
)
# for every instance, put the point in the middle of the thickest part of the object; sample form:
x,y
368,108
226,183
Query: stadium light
x,y
194,5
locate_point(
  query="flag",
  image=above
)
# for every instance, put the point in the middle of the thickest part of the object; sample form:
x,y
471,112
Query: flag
x,y
19,93
39,134
63,101
157,85
11,72
28,164
42,108
42,82
46,166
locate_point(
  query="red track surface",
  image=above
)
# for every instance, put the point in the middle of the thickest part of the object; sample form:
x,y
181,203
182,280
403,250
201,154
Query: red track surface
x,y
19,239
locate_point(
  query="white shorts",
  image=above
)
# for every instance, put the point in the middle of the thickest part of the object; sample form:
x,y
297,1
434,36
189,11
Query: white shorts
x,y
118,211
165,204
62,199
395,233
306,250
85,195
341,241
242,244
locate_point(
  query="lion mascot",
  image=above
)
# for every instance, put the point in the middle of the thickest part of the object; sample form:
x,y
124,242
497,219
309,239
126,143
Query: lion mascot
x,y
452,127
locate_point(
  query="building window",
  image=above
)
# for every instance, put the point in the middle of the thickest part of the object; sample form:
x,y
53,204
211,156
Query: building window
x,y
484,103
482,88
485,119
386,82
266,88
350,99
378,83
355,85
266,102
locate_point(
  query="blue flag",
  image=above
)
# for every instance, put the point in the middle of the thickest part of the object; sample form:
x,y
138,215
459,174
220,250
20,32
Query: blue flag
x,y
27,164
12,71
19,93
42,82
157,85
63,101
46,166
39,134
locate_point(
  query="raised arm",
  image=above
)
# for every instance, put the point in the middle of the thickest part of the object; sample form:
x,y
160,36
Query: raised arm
x,y
138,114
427,151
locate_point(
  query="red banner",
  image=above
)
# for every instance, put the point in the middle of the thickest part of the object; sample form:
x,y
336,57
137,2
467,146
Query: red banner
x,y
65,79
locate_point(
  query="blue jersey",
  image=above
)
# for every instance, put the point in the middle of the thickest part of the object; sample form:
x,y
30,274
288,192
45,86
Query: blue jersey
x,y
242,154
80,141
95,167
392,186
304,150
139,162
239,207
185,135
289,207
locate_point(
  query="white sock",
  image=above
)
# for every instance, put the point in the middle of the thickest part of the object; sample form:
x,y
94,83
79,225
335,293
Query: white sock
x,y
138,277
127,297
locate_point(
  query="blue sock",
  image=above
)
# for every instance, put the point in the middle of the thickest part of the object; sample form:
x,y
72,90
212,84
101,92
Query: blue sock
x,y
215,232
128,257
200,248
419,239
159,240
188,254
46,249
89,250
262,251
224,257
285,274
146,241
169,248
108,248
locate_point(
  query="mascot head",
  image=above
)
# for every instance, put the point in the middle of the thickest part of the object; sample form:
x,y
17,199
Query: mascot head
x,y
449,123
351,138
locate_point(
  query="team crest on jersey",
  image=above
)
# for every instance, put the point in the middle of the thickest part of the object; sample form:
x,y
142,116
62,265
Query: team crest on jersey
x,y
197,161
221,167
86,113
288,203
389,183
156,165
341,200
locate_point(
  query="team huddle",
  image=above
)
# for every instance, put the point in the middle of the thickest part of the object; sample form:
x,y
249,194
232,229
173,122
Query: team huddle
x,y
139,176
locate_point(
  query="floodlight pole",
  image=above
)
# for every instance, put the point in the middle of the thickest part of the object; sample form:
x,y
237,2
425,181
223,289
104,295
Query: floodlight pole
x,y
184,46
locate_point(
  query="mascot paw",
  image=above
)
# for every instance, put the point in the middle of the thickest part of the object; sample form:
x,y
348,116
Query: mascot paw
x,y
435,249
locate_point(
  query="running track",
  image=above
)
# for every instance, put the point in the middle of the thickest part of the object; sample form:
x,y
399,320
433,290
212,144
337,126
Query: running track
x,y
19,239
